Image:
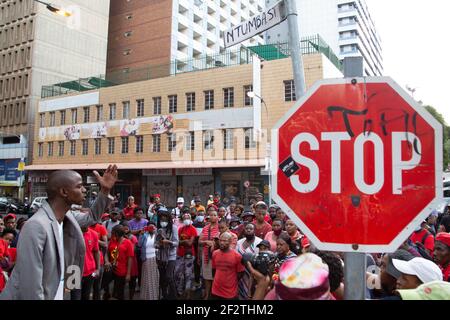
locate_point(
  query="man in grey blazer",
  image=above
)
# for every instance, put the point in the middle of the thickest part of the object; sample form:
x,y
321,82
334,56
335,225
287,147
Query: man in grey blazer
x,y
51,249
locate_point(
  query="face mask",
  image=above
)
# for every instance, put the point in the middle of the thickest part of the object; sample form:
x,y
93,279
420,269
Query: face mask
x,y
200,218
187,222
277,232
249,237
180,205
164,224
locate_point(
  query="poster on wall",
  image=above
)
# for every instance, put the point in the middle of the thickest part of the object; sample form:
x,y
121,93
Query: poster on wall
x,y
162,124
99,130
8,169
129,127
72,132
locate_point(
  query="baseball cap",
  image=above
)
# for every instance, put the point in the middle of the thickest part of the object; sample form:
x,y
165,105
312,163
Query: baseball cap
x,y
105,215
261,204
9,216
115,211
163,210
264,243
180,200
435,290
444,238
399,255
303,278
422,268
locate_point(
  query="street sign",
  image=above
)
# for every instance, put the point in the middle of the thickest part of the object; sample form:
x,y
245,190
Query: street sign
x,y
257,24
357,164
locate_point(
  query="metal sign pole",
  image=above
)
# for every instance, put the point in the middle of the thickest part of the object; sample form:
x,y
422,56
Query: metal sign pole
x,y
355,262
294,44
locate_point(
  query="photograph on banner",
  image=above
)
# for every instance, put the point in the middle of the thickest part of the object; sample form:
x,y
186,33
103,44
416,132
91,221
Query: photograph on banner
x,y
72,132
129,127
99,130
162,124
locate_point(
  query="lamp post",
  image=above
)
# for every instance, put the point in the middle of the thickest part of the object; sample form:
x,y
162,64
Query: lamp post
x,y
55,9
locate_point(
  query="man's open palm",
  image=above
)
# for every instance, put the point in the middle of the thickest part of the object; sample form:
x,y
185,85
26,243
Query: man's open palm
x,y
108,179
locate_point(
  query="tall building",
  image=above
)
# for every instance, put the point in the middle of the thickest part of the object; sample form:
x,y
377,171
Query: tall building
x,y
185,134
155,32
345,25
38,47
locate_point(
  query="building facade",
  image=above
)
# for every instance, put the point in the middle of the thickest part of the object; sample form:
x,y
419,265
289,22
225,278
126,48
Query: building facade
x,y
156,32
38,48
346,25
178,136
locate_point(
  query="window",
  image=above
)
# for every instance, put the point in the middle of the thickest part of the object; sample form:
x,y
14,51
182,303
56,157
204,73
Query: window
x,y
139,144
208,140
124,145
85,147
156,143
73,147
140,107
190,101
126,110
61,148
172,142
50,149
99,113
247,100
112,111
98,146
74,116
86,114
172,103
228,97
228,139
62,117
209,99
156,105
111,145
52,119
250,142
40,149
41,120
190,141
289,90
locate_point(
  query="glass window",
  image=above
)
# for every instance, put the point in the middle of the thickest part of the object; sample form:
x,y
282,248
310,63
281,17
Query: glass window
x,y
139,144
73,145
250,142
52,119
190,101
40,149
85,147
99,113
190,141
98,146
289,90
247,100
208,140
62,117
156,143
111,145
228,139
86,114
124,145
172,104
140,107
74,116
126,110
156,105
172,142
112,111
228,97
209,99
61,148
50,149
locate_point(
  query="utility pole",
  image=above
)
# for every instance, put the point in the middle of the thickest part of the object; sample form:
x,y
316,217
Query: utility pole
x,y
294,44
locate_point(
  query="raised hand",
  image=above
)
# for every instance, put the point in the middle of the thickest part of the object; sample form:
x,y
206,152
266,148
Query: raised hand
x,y
108,179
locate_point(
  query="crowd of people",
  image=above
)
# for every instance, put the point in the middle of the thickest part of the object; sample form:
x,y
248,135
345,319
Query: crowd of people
x,y
215,251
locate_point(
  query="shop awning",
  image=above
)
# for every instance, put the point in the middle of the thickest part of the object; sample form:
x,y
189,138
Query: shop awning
x,y
151,165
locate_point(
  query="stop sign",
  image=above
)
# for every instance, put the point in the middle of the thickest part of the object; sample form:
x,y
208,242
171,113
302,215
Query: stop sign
x,y
357,164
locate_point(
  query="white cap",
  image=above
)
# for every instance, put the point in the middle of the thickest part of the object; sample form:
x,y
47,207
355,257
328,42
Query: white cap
x,y
180,200
422,268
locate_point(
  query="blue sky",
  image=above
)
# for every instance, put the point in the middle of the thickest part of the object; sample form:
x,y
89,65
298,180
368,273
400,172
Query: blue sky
x,y
416,47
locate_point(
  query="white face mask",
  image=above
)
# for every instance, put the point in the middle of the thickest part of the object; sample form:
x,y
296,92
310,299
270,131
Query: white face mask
x,y
200,218
164,224
187,222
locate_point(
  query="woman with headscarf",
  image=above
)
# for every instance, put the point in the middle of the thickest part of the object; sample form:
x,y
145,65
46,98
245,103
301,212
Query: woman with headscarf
x,y
167,244
150,274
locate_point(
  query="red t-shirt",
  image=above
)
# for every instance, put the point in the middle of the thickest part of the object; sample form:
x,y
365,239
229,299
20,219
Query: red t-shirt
x,y
185,233
261,232
429,240
446,273
128,212
119,254
101,231
134,266
3,248
91,242
228,265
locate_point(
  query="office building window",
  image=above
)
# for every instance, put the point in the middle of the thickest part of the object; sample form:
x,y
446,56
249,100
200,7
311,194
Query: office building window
x,y
73,146
40,149
111,145
139,144
208,140
209,99
140,107
228,139
172,103
41,120
86,114
126,110
172,142
289,90
62,117
99,113
228,97
247,100
74,116
156,105
112,111
61,148
156,143
98,146
190,101
85,147
52,119
50,149
124,145
250,142
190,141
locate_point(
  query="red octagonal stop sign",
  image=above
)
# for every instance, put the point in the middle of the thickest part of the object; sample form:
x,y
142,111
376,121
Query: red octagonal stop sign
x,y
357,166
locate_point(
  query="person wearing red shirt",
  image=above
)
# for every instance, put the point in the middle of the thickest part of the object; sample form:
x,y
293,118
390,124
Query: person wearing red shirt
x,y
4,258
423,237
102,234
8,236
128,211
134,266
223,227
184,269
262,227
120,259
442,254
91,263
227,270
